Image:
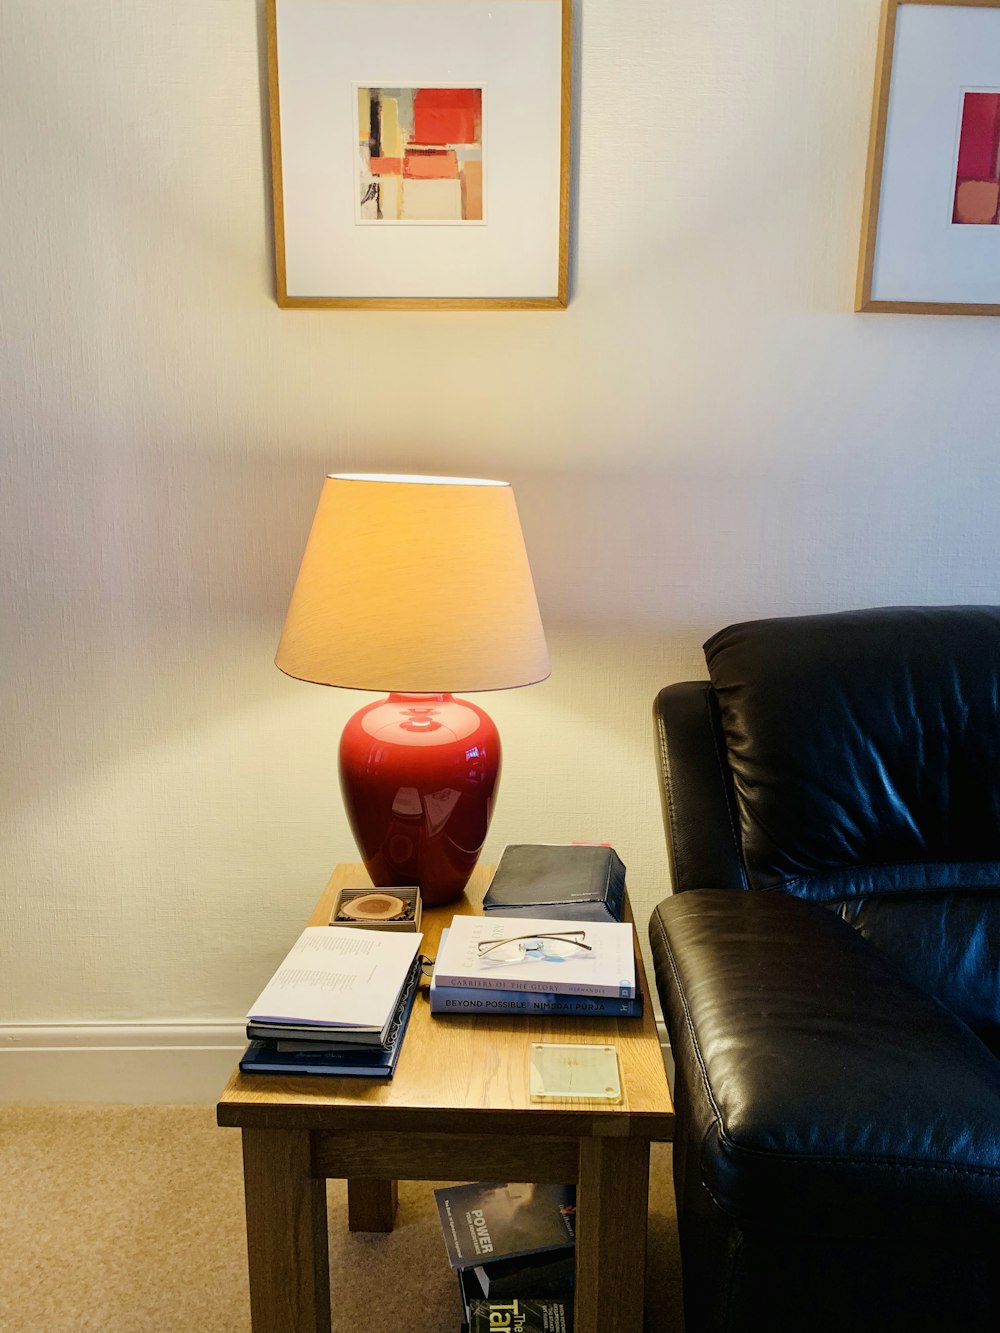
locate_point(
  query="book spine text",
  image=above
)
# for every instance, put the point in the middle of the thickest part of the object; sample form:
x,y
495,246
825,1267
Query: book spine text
x,y
624,990
469,1000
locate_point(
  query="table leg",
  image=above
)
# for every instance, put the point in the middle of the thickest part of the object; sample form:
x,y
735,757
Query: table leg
x,y
286,1233
371,1204
612,1201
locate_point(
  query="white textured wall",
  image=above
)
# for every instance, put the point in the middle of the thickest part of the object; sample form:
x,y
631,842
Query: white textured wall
x,y
707,434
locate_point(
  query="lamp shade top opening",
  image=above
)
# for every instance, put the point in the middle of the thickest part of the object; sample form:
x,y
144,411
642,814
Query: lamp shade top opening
x,y
414,587
413,479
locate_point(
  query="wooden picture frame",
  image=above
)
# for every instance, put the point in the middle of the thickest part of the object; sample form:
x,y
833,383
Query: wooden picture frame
x,y
420,153
930,242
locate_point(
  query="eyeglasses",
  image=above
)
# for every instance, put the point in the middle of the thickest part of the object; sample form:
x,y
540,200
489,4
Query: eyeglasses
x,y
518,947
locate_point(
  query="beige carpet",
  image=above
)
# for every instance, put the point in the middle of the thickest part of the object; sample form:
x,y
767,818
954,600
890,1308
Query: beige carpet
x,y
130,1220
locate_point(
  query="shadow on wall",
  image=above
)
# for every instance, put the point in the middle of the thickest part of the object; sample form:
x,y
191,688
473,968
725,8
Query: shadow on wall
x,y
150,589
150,592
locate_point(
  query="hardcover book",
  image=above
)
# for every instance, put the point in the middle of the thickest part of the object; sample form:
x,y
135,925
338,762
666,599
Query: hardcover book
x,y
315,1037
549,1273
468,1291
487,1221
470,1000
520,1315
337,981
350,1061
605,966
558,880
480,1000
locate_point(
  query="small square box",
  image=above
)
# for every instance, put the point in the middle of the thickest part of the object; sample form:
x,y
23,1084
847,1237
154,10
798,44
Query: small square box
x,y
378,909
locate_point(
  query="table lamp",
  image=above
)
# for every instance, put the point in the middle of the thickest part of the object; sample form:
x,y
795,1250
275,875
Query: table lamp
x,y
419,586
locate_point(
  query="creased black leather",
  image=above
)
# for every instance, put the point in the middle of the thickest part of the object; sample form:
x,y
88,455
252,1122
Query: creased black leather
x,y
833,1120
949,943
863,739
805,1036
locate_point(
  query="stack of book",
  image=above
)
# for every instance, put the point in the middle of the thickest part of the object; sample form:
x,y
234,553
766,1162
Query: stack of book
x,y
337,1005
548,980
513,1248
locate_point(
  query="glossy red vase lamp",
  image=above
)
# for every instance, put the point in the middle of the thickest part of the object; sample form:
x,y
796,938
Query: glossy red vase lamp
x,y
419,586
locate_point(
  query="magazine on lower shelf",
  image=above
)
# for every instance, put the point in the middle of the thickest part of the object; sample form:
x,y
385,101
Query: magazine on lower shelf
x,y
535,1290
468,1291
518,1314
484,1222
546,1273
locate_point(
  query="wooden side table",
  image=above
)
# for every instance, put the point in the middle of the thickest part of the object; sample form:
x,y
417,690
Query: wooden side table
x,y
458,1108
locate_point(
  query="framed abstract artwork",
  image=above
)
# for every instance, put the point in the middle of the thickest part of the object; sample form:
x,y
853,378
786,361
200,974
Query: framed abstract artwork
x,y
930,239
420,152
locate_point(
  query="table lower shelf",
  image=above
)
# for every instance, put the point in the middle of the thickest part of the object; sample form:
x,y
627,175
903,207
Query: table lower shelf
x,y
285,1173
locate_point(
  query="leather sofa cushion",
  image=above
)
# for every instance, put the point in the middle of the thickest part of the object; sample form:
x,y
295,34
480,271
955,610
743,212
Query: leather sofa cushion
x,y
827,1092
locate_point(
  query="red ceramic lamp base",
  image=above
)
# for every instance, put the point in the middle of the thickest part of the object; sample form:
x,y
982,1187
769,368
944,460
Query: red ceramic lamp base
x,y
418,774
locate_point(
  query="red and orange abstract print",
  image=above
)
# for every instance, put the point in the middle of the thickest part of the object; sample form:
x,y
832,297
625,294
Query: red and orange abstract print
x,y
421,154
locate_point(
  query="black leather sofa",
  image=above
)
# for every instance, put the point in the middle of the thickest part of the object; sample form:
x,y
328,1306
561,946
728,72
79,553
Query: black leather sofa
x,y
829,967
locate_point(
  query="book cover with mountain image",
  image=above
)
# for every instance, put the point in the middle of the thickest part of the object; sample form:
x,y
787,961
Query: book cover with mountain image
x,y
487,1221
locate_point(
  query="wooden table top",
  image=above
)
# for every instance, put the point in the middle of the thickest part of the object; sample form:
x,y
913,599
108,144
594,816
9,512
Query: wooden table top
x,y
467,1073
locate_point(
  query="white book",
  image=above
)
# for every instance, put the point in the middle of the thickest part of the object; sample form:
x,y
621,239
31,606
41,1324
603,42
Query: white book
x,y
336,976
607,967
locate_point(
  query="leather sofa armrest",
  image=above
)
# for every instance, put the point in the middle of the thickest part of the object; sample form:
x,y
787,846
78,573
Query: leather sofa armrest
x,y
817,1076
699,813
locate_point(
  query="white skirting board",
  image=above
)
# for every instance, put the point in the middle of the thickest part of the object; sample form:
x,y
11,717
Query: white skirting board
x,y
135,1063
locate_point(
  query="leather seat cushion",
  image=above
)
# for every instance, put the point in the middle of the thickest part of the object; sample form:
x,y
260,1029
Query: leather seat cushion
x,y
823,1084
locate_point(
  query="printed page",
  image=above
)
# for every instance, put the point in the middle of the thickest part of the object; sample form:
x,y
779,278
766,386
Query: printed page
x,y
339,976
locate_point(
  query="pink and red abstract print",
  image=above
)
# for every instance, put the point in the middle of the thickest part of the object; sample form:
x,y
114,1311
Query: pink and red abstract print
x,y
977,185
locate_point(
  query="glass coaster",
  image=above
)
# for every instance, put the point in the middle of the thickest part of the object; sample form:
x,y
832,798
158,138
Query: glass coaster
x,y
568,1071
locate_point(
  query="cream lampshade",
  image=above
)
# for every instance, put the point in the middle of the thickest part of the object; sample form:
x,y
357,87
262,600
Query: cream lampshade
x,y
419,586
